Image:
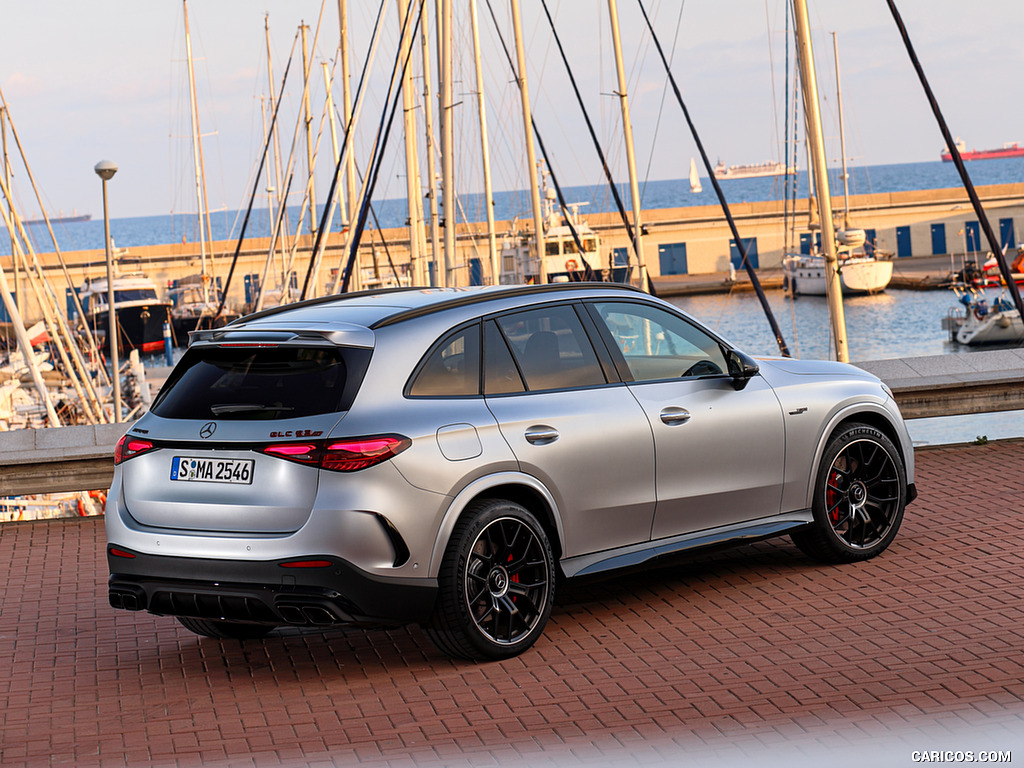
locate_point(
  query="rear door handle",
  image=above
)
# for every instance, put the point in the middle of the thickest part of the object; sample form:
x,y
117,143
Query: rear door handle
x,y
674,415
541,435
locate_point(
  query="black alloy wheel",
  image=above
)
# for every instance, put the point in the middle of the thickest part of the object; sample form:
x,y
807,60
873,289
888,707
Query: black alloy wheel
x,y
859,497
496,583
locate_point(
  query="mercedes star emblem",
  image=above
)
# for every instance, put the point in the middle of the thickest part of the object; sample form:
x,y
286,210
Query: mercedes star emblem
x,y
207,429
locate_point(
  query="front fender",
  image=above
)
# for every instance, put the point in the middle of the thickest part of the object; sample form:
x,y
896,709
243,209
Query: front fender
x,y
850,412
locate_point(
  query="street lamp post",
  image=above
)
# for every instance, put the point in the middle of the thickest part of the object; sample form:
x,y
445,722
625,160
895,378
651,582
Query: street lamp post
x,y
105,169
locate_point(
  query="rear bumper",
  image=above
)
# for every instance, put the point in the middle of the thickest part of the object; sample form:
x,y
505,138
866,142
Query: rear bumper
x,y
265,592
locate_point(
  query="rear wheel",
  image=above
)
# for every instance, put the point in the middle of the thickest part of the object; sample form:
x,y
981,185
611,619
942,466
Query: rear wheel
x,y
859,496
225,629
496,583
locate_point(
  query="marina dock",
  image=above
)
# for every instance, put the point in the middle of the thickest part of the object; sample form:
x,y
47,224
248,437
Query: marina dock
x,y
748,656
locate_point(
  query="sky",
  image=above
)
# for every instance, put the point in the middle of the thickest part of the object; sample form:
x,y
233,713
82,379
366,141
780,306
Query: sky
x,y
106,80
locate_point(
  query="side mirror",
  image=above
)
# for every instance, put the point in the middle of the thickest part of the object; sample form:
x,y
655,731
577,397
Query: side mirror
x,y
742,367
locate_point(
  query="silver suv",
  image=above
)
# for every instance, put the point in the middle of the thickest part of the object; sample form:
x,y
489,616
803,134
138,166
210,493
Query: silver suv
x,y
448,456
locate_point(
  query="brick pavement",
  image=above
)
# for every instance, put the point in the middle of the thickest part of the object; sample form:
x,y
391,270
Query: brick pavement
x,y
750,655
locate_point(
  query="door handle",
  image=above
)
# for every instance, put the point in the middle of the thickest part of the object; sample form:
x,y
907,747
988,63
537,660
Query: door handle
x,y
674,415
541,435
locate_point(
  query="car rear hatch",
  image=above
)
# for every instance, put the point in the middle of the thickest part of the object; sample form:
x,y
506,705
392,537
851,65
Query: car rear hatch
x,y
233,440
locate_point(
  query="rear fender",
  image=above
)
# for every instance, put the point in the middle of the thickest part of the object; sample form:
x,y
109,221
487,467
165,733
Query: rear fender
x,y
478,488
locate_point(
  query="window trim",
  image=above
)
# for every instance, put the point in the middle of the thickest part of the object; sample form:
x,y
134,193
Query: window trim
x,y
442,340
620,360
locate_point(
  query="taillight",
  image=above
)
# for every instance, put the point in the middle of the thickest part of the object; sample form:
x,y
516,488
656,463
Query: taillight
x,y
304,453
349,455
128,447
360,453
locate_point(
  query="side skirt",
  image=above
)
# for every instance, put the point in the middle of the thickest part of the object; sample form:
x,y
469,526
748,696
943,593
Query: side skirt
x,y
742,533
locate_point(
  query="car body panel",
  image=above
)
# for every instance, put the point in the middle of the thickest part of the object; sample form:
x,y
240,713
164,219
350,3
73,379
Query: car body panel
x,y
712,468
600,471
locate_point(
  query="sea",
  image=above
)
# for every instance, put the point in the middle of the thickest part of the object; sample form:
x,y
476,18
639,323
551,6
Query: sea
x,y
896,323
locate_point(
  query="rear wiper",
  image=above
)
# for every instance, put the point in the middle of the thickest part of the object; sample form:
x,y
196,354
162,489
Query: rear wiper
x,y
222,408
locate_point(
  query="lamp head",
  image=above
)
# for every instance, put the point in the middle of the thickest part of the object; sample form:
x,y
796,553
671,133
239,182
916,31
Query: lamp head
x,y
105,169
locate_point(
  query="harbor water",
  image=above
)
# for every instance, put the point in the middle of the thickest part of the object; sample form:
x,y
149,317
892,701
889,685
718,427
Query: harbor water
x,y
893,324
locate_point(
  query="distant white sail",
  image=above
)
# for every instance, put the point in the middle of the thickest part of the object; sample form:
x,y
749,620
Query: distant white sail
x,y
694,178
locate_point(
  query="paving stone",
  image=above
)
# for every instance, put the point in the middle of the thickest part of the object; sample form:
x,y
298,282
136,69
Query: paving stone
x,y
731,657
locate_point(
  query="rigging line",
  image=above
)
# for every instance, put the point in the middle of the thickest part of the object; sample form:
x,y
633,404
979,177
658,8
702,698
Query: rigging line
x,y
590,128
377,160
255,190
664,95
990,234
347,144
384,242
751,272
588,271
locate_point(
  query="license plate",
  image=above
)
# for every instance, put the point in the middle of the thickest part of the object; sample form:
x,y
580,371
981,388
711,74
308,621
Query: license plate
x,y
212,470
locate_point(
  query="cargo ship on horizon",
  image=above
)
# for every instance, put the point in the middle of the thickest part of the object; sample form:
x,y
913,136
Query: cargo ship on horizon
x,y
62,219
1012,149
752,171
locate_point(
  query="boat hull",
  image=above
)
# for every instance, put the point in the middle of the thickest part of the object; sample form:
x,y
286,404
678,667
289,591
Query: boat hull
x,y
806,277
140,327
993,328
986,154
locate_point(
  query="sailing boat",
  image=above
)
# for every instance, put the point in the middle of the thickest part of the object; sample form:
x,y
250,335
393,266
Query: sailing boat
x,y
695,186
859,272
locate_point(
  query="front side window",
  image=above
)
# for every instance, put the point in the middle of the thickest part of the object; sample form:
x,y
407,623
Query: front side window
x,y
551,348
657,344
262,383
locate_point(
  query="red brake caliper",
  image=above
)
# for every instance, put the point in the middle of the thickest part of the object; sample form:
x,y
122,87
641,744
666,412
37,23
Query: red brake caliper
x,y
515,578
832,497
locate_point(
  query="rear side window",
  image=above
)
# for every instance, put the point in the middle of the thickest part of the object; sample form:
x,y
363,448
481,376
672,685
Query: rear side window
x,y
262,383
452,369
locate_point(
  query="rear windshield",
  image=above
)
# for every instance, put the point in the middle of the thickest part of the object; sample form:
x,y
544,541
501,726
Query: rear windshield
x,y
262,383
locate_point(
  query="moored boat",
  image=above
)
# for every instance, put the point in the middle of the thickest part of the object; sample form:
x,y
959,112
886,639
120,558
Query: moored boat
x,y
977,323
858,272
194,302
141,314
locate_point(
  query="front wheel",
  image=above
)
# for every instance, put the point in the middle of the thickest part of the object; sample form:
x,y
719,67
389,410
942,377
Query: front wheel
x,y
496,584
859,496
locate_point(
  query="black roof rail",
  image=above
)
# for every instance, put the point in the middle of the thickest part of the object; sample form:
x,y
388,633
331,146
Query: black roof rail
x,y
322,300
478,297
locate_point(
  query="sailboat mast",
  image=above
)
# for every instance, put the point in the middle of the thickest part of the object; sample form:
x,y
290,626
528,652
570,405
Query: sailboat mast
x,y
492,243
196,151
445,18
412,165
428,128
278,173
531,154
809,86
627,131
346,106
308,118
842,137
7,176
